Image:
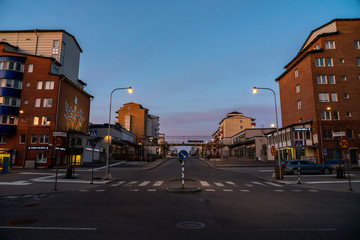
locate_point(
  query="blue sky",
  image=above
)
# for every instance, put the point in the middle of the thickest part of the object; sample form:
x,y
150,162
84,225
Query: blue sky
x,y
189,62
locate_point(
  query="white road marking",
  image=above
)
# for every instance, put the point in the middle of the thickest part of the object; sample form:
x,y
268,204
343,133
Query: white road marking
x,y
274,184
117,184
151,190
134,190
278,190
17,183
244,190
131,183
313,190
158,183
204,183
231,183
210,190
219,184
227,190
143,184
329,182
258,183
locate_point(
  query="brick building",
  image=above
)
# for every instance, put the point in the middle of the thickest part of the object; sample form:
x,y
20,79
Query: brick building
x,y
322,85
40,94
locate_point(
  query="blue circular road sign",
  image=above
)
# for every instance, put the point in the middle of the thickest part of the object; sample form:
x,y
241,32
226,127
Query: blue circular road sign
x,y
183,155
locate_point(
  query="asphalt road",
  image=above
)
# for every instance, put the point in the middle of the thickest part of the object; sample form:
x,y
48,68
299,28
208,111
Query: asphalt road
x,y
232,204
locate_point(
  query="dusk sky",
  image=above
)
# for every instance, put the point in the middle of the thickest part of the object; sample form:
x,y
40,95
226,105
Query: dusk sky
x,y
189,62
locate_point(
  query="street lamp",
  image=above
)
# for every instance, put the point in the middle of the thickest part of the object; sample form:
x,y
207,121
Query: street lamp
x,y
254,90
107,172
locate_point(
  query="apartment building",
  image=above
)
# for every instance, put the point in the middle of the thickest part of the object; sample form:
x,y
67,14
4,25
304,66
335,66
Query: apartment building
x,y
39,96
321,84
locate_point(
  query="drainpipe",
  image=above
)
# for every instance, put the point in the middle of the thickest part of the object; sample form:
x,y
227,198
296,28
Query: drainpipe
x,y
57,104
37,41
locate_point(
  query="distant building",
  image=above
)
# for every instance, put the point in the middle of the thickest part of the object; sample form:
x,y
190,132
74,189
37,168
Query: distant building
x,y
40,95
321,85
232,124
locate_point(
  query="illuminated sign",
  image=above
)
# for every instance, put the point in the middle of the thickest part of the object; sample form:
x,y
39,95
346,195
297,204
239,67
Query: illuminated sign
x,y
302,129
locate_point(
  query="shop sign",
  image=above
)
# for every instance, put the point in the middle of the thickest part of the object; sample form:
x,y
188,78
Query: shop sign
x,y
38,148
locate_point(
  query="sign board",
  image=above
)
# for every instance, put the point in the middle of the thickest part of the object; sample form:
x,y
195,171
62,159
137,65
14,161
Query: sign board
x,y
59,141
273,151
183,155
298,144
38,148
344,143
302,129
59,134
338,134
93,133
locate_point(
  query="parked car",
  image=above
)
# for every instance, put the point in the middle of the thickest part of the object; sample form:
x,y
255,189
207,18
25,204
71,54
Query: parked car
x,y
306,166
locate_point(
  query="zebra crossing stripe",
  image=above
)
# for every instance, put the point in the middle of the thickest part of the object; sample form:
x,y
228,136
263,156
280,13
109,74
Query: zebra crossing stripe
x,y
274,184
131,183
228,190
143,184
244,190
219,184
117,184
158,183
204,183
258,183
231,183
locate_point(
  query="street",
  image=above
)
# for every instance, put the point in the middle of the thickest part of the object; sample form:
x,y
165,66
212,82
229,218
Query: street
x,y
233,203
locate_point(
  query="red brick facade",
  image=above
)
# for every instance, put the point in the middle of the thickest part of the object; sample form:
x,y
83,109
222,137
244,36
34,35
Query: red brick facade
x,y
300,88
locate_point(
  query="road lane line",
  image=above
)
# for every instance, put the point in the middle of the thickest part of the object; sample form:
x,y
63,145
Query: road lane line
x,y
274,184
244,190
227,190
210,190
143,184
258,183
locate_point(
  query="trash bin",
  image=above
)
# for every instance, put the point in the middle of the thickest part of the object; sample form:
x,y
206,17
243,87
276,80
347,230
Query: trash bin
x,y
340,172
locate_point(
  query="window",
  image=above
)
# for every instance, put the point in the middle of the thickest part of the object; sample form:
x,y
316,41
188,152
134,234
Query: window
x,y
320,62
325,115
334,97
343,78
43,138
27,84
323,97
336,115
45,120
349,133
26,101
30,68
299,104
3,139
346,96
47,102
4,119
36,120
55,49
358,61
49,85
298,88
329,62
332,79
296,73
321,79
39,85
33,138
37,102
22,138
341,60
327,133
317,47
41,158
348,114
330,44
357,44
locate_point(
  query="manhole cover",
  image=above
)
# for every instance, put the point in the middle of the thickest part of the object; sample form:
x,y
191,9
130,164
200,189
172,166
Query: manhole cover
x,y
190,225
18,222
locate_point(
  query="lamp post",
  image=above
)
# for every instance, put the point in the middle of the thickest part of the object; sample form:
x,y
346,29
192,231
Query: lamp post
x,y
107,172
254,90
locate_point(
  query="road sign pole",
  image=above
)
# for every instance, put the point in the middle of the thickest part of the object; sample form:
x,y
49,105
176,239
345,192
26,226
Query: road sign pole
x,y
183,173
348,167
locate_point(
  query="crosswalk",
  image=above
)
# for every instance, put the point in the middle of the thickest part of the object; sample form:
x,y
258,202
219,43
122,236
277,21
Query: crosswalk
x,y
206,186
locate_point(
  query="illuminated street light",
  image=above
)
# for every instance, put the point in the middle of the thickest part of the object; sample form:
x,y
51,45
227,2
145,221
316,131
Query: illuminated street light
x,y
107,172
255,90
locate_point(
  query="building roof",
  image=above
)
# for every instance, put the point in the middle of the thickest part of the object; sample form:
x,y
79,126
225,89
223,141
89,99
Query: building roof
x,y
324,30
42,30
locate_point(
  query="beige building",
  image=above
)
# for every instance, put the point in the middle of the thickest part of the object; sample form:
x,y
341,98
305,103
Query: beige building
x,y
232,124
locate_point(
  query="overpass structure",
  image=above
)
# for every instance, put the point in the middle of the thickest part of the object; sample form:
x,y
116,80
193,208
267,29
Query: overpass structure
x,y
183,141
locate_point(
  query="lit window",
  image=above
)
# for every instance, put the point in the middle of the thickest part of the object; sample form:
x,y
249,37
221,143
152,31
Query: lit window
x,y
336,115
49,85
321,79
39,85
332,79
298,88
30,68
320,62
45,120
296,73
325,115
329,62
330,44
323,97
37,102
357,44
299,104
334,97
36,120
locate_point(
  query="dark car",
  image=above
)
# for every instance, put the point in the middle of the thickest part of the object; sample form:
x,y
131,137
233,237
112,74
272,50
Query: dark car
x,y
306,166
